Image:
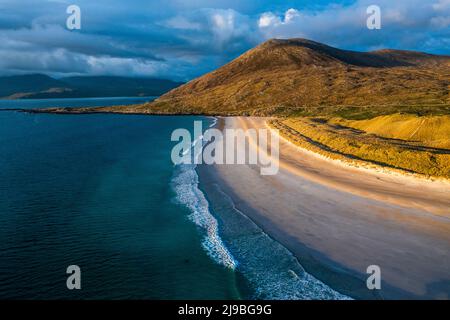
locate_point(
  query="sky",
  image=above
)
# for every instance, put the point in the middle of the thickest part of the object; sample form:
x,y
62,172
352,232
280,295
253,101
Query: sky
x,y
182,39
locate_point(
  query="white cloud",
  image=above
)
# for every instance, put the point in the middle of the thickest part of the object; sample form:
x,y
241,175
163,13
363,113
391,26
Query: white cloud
x,y
290,15
405,24
215,31
269,19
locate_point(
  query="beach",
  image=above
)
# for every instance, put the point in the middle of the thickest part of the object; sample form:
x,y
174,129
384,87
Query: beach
x,y
338,219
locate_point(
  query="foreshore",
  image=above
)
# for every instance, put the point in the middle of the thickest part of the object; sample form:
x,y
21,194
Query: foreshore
x,y
337,220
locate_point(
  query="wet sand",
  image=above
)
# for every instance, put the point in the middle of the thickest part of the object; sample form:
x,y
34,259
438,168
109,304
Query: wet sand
x,y
337,220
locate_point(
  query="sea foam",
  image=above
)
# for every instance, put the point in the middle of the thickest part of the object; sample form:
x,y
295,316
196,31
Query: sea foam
x,y
185,185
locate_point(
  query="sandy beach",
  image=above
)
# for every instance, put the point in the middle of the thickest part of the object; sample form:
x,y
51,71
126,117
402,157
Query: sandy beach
x,y
339,219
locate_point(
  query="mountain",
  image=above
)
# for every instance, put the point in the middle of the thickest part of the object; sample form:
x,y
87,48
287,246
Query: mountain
x,y
299,76
121,86
42,86
15,85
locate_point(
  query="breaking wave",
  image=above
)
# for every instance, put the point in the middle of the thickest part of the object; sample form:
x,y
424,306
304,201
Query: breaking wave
x,y
185,185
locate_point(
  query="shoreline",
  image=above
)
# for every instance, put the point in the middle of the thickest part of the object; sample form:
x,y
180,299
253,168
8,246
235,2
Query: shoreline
x,y
336,234
112,110
216,193
328,274
359,164
380,172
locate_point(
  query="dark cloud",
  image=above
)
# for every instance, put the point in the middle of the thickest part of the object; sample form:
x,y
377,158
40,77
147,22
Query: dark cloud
x,y
183,39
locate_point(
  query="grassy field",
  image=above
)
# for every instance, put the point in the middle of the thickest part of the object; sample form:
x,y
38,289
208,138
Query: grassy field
x,y
431,131
406,142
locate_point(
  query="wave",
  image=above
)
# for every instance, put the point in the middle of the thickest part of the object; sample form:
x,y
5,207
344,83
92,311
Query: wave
x,y
185,185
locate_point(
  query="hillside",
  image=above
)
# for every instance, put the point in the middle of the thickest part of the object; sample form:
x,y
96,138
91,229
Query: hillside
x,y
17,85
39,86
302,77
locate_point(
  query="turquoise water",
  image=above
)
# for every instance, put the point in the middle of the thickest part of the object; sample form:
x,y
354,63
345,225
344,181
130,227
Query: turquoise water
x,y
94,191
100,191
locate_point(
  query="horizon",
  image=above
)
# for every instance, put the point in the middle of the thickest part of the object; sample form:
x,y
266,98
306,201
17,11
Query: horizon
x,y
183,40
87,75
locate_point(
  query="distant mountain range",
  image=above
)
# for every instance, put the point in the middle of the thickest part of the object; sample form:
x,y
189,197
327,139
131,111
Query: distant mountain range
x,y
40,86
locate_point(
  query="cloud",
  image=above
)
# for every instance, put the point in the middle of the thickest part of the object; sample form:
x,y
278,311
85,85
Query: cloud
x,y
180,22
268,19
442,5
405,25
217,31
183,39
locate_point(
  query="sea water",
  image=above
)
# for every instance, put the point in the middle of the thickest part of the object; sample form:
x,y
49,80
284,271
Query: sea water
x,y
96,191
100,191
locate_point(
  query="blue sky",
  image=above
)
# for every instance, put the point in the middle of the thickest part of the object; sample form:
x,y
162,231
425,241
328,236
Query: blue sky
x,y
182,39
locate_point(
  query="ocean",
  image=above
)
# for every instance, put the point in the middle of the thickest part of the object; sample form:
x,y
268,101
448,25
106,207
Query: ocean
x,y
100,191
75,102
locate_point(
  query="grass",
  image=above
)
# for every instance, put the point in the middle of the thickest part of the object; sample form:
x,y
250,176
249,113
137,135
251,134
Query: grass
x,y
352,112
331,138
431,131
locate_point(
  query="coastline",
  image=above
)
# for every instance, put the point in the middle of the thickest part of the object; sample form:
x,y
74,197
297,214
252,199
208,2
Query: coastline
x,y
333,228
266,269
335,233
